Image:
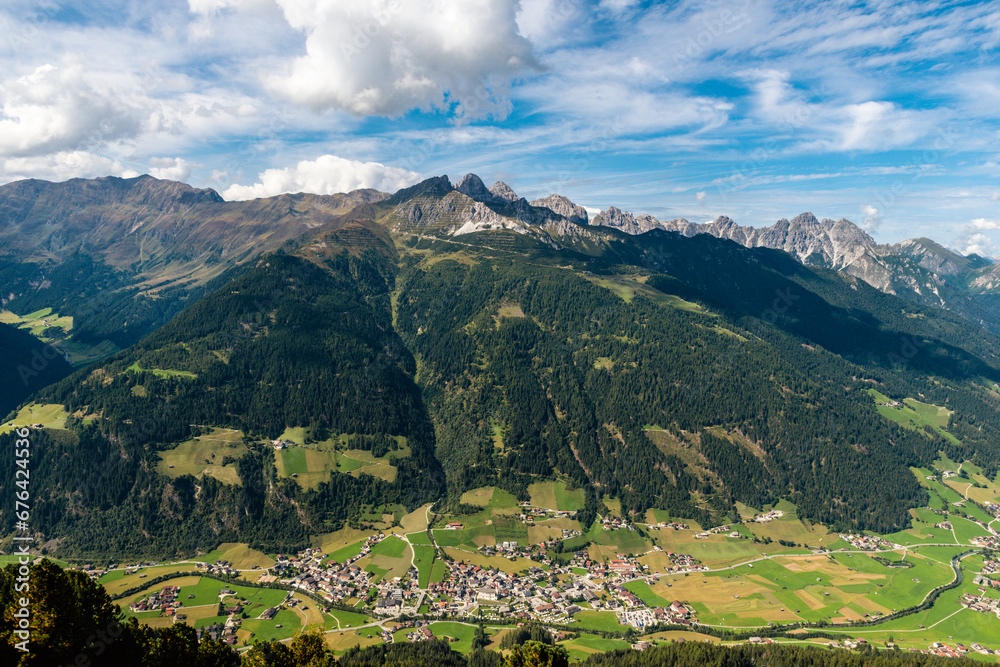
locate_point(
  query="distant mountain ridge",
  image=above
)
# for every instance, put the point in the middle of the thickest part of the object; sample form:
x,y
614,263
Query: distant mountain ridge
x,y
123,256
496,342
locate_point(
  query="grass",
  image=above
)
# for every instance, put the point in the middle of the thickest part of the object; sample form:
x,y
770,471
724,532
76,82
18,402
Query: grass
x,y
586,645
915,415
350,551
358,461
310,467
204,455
484,561
348,619
240,555
161,372
339,642
265,631
463,633
423,558
628,287
393,547
469,538
123,583
331,542
555,495
49,415
606,621
644,593
438,572
416,521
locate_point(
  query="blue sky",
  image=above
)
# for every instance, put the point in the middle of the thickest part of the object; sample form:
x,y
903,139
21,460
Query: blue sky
x,y
885,113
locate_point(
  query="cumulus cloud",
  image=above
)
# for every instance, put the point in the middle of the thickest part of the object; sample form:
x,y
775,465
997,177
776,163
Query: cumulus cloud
x,y
984,224
873,218
170,168
55,109
973,240
326,175
63,165
872,125
386,57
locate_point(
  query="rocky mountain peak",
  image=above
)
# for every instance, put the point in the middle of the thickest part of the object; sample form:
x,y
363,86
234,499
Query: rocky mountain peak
x,y
563,206
473,187
504,192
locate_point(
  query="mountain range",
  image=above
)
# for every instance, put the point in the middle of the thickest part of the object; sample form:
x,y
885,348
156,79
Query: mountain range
x,y
460,336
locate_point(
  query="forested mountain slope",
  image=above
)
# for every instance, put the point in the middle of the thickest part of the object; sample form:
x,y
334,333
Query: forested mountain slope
x,y
473,342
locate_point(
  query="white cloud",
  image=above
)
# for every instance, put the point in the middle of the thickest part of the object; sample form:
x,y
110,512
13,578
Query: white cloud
x,y
973,240
871,125
56,109
873,218
386,57
170,168
980,244
62,166
984,224
326,175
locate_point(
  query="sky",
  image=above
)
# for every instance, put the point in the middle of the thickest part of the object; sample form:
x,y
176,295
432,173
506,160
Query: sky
x,y
884,113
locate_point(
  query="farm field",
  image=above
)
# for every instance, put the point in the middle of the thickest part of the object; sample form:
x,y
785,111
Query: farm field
x,y
309,467
358,461
161,372
915,415
946,621
555,495
118,583
807,588
207,454
331,542
339,642
48,415
423,558
586,645
240,555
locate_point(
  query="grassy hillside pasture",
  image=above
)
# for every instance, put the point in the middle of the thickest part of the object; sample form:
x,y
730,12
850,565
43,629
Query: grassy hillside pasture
x,y
309,467
555,495
915,415
240,555
48,415
204,455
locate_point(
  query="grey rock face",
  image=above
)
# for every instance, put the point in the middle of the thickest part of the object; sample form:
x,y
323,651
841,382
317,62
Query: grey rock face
x,y
563,206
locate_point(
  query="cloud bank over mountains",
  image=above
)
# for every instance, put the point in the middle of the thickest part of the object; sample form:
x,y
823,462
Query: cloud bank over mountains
x,y
694,109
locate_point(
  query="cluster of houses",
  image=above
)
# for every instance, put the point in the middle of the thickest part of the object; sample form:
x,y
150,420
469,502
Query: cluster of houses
x,y
945,651
868,542
673,525
684,563
717,530
986,541
225,632
218,567
401,595
163,600
421,633
615,523
981,603
768,516
309,571
530,514
280,444
639,616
